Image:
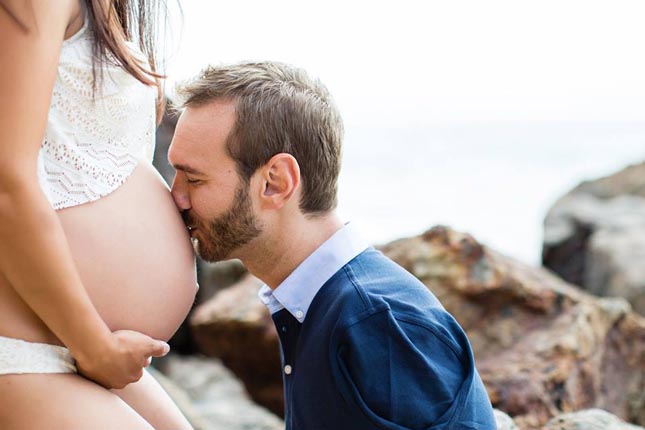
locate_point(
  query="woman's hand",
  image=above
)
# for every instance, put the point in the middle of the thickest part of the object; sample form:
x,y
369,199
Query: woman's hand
x,y
121,359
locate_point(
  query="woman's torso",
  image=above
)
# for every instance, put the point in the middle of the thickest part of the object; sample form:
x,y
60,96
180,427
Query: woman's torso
x,y
127,238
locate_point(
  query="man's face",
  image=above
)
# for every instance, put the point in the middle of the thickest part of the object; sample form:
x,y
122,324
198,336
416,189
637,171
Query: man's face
x,y
214,200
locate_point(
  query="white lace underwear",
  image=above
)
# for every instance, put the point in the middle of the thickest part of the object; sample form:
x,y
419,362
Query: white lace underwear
x,y
93,141
18,356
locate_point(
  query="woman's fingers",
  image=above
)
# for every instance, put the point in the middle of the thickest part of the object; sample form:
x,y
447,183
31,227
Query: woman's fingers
x,y
157,348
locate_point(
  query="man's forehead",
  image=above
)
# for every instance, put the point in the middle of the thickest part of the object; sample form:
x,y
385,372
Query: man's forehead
x,y
221,112
211,122
186,143
201,133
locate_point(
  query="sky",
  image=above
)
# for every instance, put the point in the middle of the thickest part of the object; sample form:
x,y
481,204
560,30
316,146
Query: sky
x,y
438,61
513,82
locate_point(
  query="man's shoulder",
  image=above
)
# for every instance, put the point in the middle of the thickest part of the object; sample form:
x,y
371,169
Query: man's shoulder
x,y
399,346
367,276
371,283
374,273
380,280
391,335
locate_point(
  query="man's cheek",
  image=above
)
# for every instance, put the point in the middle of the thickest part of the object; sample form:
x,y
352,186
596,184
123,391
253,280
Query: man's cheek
x,y
206,204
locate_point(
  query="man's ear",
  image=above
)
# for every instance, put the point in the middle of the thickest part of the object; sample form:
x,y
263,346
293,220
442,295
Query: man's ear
x,y
280,180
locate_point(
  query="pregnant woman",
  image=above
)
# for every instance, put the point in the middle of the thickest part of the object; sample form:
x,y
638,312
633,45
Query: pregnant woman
x,y
96,266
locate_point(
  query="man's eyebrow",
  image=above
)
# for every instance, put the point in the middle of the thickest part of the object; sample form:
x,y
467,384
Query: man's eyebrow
x,y
186,169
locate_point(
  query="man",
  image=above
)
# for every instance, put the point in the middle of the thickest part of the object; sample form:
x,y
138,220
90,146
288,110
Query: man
x,y
364,344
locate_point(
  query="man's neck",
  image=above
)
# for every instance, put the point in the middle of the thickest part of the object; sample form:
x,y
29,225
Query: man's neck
x,y
282,253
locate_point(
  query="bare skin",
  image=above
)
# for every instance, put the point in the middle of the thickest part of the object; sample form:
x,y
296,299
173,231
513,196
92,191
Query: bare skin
x,y
128,288
121,266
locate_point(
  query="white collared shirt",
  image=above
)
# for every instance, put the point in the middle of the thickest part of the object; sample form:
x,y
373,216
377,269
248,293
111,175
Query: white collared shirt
x,y
299,289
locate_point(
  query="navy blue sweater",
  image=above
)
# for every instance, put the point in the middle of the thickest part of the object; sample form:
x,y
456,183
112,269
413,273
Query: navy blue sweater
x,y
378,351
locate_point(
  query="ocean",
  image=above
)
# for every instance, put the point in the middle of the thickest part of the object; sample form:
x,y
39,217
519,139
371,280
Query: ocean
x,y
495,181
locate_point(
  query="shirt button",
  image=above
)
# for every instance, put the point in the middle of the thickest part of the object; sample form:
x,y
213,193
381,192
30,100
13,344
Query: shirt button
x,y
287,369
300,314
283,328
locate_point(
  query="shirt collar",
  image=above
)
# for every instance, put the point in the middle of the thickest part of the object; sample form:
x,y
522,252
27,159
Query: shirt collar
x,y
299,289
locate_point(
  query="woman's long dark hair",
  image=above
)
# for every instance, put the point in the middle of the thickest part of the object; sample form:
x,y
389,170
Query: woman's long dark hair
x,y
114,22
120,20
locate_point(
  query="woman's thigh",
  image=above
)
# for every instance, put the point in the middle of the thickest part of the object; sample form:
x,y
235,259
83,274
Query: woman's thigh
x,y
62,401
152,402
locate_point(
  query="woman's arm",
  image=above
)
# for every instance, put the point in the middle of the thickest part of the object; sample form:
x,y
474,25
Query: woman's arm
x,y
34,255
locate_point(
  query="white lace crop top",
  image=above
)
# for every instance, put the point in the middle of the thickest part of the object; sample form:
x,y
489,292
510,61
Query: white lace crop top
x,y
93,143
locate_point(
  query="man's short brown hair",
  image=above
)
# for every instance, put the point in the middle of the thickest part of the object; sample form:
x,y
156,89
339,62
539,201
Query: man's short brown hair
x,y
279,109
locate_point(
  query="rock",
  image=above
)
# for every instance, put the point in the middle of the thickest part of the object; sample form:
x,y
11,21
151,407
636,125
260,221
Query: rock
x,y
218,400
214,277
542,346
590,419
237,328
181,399
503,421
628,181
594,236
163,137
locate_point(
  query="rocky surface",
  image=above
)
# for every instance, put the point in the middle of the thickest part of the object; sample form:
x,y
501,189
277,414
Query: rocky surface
x,y
591,419
628,181
503,421
181,398
214,277
594,236
211,397
542,346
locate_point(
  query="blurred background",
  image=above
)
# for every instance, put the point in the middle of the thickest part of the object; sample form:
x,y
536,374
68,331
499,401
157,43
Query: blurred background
x,y
474,114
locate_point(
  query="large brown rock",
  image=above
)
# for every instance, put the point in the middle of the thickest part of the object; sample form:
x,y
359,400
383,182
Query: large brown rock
x,y
542,346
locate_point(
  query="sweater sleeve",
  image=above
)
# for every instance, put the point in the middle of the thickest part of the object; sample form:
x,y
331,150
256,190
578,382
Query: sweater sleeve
x,y
401,371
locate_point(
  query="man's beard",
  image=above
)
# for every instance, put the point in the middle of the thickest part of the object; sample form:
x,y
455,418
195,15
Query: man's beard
x,y
219,237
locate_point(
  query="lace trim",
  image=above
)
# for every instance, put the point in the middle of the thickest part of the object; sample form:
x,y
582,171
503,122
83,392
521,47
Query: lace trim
x,y
18,356
93,142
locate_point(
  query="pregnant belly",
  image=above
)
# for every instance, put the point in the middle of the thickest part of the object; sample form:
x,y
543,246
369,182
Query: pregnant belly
x,y
134,255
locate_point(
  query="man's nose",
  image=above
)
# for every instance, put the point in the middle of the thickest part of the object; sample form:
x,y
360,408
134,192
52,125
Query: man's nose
x,y
179,194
